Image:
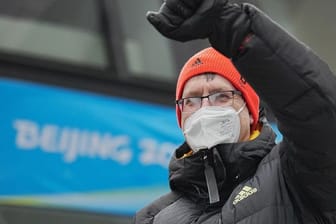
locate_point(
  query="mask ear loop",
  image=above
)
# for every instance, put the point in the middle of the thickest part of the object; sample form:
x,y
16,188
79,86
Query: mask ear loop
x,y
241,109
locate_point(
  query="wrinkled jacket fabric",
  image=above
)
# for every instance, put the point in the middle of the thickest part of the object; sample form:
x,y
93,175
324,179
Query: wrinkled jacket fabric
x,y
259,181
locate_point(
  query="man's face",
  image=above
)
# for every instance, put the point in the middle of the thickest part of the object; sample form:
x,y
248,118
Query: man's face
x,y
203,85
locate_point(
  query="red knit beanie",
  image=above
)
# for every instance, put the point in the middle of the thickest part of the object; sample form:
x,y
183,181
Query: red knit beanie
x,y
211,61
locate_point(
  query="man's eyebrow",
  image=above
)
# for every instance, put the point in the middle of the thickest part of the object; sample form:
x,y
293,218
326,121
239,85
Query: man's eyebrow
x,y
196,93
219,89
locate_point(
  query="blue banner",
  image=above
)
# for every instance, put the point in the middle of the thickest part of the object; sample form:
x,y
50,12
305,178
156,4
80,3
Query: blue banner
x,y
72,148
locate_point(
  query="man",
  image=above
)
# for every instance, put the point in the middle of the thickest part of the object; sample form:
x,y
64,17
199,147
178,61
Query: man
x,y
230,170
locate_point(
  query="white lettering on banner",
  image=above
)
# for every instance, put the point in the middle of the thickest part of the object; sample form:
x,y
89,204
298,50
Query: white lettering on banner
x,y
72,142
154,153
27,137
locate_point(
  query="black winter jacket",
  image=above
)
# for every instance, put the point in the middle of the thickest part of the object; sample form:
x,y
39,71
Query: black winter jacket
x,y
261,182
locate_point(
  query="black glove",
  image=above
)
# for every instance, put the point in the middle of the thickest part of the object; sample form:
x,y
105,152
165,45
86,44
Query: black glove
x,y
224,24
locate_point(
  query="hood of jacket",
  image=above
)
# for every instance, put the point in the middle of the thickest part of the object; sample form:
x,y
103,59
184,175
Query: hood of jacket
x,y
231,164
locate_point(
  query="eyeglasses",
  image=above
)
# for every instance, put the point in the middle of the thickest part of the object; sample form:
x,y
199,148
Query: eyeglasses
x,y
222,98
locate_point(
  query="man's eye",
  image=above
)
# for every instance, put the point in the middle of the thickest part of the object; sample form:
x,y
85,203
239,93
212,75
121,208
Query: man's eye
x,y
187,102
223,97
191,102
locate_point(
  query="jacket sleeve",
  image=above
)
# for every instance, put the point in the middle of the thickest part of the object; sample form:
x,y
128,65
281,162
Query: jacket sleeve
x,y
300,89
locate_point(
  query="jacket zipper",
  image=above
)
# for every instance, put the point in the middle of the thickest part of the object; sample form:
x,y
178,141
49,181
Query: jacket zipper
x,y
210,178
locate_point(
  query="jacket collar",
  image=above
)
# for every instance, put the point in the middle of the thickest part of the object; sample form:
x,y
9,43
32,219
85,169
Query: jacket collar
x,y
231,163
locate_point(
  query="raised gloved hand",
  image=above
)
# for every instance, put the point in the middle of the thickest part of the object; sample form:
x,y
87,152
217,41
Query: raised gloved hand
x,y
224,24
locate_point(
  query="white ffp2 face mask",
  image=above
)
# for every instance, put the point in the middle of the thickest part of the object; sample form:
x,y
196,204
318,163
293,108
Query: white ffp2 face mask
x,y
212,125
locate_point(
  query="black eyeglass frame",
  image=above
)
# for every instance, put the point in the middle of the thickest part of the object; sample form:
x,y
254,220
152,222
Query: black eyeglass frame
x,y
180,101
